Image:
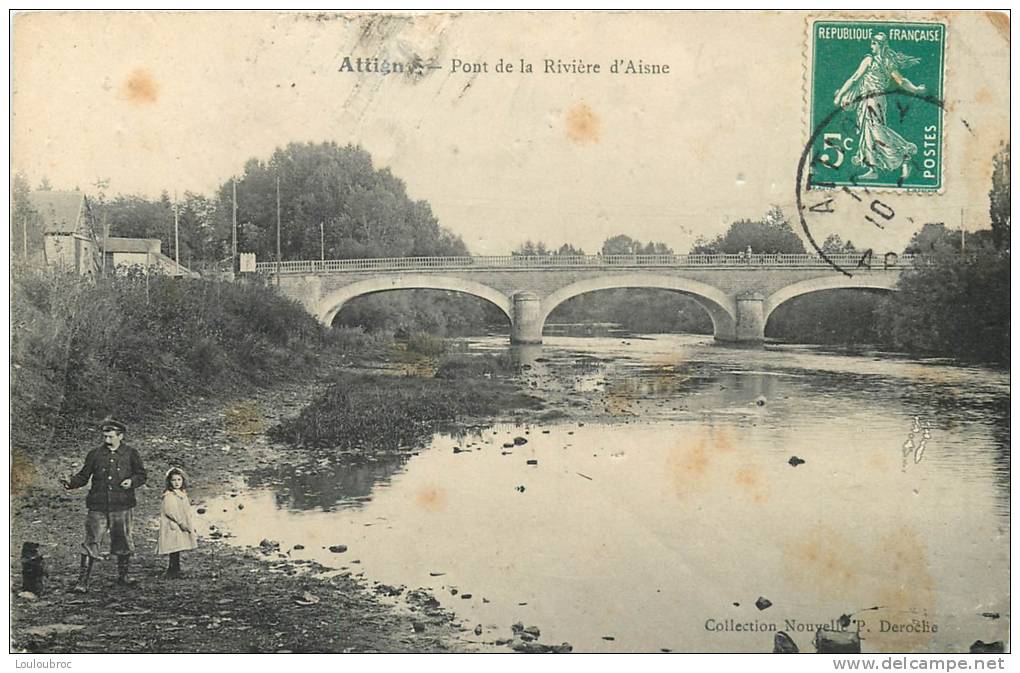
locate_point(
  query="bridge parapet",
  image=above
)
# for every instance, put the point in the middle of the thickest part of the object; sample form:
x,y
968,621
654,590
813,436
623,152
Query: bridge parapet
x,y
545,262
738,291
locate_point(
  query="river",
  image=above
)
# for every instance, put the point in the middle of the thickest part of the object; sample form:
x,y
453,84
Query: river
x,y
663,504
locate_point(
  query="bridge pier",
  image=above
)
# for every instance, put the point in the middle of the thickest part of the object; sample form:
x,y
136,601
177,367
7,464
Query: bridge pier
x,y
526,322
750,318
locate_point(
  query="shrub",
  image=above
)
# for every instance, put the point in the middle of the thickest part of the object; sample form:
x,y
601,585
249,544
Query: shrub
x,y
424,343
131,344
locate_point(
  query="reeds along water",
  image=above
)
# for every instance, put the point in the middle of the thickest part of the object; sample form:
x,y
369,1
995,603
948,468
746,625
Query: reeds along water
x,y
387,413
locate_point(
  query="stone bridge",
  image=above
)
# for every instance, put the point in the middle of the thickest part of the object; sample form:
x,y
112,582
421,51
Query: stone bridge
x,y
738,291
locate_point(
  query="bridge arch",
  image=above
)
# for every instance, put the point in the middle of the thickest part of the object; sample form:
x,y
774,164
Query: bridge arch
x,y
721,308
331,303
885,281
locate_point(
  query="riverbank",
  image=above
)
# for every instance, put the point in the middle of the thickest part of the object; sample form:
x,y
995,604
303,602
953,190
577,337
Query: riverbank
x,y
232,600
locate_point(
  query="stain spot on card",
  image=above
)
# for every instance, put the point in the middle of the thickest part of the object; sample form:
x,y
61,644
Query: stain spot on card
x,y
907,591
140,87
23,473
243,419
826,560
583,125
1001,23
861,567
750,483
431,498
698,464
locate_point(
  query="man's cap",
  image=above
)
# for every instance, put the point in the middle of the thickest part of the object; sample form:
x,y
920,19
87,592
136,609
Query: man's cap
x,y
112,424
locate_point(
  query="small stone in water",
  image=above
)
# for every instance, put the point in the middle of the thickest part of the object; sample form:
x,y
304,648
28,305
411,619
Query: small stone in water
x,y
795,461
532,462
338,548
465,596
520,441
762,603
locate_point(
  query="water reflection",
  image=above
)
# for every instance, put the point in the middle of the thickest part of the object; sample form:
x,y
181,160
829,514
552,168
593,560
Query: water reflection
x,y
329,485
688,509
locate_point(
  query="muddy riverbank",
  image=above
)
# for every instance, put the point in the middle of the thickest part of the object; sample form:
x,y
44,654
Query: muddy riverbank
x,y
232,600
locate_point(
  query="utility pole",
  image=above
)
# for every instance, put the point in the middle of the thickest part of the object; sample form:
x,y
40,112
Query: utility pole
x,y
101,184
233,239
279,259
322,240
963,235
177,238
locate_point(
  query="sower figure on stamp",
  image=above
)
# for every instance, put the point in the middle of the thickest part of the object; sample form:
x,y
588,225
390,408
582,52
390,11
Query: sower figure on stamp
x,y
879,147
116,470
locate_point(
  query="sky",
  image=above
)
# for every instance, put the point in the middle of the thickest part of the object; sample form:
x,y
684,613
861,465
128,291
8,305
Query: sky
x,y
179,101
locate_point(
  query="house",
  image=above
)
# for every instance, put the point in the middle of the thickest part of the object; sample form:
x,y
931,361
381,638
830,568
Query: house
x,y
143,252
68,227
61,229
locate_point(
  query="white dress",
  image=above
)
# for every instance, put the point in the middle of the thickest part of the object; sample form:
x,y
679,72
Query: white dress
x,y
176,510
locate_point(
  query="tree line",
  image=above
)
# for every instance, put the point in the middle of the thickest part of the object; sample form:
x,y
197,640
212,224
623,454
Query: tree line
x,y
334,203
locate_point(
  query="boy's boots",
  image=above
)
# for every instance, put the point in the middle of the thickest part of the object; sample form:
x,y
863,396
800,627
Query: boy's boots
x,y
173,571
123,564
82,585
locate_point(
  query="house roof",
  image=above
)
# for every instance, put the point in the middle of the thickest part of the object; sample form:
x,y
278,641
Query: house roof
x,y
59,212
117,244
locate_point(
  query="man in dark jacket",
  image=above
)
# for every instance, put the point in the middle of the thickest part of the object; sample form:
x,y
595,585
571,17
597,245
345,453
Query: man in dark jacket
x,y
116,470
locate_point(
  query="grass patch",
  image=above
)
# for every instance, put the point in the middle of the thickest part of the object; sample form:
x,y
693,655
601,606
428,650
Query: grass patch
x,y
379,412
426,344
485,365
131,345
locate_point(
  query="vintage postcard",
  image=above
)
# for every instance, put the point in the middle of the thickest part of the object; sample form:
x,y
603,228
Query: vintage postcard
x,y
510,332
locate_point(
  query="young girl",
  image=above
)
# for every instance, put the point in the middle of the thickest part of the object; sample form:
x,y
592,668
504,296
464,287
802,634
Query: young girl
x,y
176,533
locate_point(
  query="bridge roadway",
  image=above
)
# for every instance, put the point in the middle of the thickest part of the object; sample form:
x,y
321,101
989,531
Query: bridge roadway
x,y
738,291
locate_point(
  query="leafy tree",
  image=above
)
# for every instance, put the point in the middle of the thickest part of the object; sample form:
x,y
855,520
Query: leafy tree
x,y
621,244
23,216
138,217
567,250
953,305
932,238
654,248
703,246
771,234
363,212
840,317
531,249
999,198
835,245
649,311
44,185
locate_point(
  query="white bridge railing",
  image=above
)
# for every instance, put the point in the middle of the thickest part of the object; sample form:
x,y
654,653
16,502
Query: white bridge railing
x,y
850,262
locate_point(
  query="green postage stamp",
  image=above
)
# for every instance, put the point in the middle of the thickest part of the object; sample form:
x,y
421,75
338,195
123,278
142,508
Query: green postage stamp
x,y
876,91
